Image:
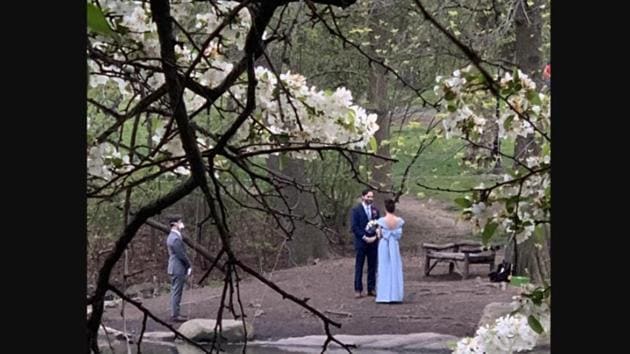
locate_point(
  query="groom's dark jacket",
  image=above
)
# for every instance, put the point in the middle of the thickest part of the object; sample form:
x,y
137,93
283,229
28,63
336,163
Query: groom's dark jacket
x,y
359,220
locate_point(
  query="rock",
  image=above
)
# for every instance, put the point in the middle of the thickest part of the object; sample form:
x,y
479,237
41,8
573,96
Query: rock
x,y
494,310
144,290
186,348
112,303
109,295
203,330
382,343
160,336
112,333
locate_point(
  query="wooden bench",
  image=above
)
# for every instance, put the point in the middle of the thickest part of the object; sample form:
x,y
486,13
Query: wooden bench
x,y
467,252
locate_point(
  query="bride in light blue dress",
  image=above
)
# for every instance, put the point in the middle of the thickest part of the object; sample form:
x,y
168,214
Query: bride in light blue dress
x,y
389,277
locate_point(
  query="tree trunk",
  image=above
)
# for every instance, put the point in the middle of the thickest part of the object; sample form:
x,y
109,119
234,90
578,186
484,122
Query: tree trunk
x,y
533,257
377,101
308,242
528,47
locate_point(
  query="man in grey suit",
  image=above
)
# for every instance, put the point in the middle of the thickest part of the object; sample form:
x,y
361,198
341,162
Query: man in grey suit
x,y
178,266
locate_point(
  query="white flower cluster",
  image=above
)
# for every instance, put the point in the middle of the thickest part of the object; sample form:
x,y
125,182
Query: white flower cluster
x,y
510,333
302,114
466,100
371,225
103,159
309,115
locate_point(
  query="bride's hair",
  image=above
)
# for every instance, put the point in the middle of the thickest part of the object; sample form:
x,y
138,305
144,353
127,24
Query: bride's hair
x,y
390,205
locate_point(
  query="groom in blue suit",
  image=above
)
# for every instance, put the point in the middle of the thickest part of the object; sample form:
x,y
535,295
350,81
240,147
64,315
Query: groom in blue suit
x,y
361,214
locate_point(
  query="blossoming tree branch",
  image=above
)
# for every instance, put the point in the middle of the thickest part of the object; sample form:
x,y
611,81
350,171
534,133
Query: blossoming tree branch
x,y
186,75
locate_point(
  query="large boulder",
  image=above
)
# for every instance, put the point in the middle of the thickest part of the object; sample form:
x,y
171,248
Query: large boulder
x,y
202,330
160,336
494,310
376,344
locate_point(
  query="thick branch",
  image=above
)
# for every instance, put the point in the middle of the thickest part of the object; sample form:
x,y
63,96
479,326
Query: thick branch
x,y
491,188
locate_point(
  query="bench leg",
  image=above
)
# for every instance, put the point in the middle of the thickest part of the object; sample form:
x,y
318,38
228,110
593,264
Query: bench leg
x,y
451,266
491,266
466,268
426,266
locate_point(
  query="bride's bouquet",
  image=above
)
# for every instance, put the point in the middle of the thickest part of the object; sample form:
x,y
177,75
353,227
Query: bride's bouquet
x,y
371,227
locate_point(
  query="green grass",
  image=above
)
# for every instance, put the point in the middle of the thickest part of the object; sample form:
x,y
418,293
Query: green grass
x,y
438,166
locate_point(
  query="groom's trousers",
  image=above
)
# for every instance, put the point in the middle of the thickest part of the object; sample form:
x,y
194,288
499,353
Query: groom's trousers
x,y
177,288
368,251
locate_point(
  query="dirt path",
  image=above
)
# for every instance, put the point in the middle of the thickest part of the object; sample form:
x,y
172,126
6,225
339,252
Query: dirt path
x,y
440,303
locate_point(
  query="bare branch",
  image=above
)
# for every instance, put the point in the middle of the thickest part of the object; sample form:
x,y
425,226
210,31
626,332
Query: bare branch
x,y
421,148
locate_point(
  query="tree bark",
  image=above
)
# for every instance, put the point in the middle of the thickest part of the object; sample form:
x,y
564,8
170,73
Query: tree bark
x,y
528,52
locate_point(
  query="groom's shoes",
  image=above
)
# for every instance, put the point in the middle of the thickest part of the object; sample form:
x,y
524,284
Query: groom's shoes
x,y
371,293
357,294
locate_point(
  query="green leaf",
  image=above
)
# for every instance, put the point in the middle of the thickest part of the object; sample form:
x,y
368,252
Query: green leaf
x,y
282,138
510,204
96,21
414,125
352,117
480,79
463,202
547,290
488,231
508,122
548,192
533,97
451,107
539,234
117,161
536,296
546,148
534,324
451,344
373,144
449,95
282,161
